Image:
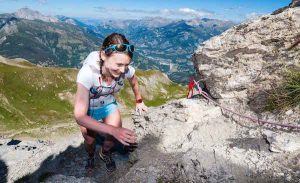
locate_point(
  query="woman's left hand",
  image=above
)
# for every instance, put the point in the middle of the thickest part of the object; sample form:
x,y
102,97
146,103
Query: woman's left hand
x,y
141,107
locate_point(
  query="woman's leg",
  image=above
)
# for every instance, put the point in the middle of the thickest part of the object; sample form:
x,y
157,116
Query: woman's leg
x,y
89,140
115,120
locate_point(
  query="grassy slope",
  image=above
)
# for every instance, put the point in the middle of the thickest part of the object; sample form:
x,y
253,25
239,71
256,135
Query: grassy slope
x,y
30,96
155,88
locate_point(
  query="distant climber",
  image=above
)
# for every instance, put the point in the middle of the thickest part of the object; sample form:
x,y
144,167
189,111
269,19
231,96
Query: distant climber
x,y
193,92
96,110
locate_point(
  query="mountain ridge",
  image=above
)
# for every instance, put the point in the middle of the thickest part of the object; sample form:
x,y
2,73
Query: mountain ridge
x,y
45,43
29,14
154,40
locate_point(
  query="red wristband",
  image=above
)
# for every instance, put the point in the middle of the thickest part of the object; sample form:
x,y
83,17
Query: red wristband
x,y
139,101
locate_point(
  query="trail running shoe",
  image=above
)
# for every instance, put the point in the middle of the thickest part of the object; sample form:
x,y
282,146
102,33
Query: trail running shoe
x,y
109,162
132,147
90,163
89,167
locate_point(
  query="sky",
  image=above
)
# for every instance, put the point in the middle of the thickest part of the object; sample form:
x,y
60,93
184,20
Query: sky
x,y
234,10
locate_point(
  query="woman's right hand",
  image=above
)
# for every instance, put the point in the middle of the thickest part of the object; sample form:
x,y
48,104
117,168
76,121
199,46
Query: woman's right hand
x,y
124,135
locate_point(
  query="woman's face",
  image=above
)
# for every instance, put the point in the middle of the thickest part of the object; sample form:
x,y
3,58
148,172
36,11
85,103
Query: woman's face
x,y
115,64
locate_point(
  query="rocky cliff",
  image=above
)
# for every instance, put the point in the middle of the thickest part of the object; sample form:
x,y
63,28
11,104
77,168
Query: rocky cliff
x,y
190,140
293,4
187,140
242,65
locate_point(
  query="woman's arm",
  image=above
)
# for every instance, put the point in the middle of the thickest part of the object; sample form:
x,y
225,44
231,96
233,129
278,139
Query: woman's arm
x,y
140,106
81,117
135,87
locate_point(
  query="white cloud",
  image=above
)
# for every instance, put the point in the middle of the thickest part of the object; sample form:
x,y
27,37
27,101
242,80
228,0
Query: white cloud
x,y
194,13
185,13
167,13
253,15
42,1
123,10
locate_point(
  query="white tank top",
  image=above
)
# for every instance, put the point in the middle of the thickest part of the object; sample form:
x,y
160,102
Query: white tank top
x,y
100,93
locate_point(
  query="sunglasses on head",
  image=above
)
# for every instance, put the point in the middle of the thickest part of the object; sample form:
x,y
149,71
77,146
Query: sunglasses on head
x,y
119,48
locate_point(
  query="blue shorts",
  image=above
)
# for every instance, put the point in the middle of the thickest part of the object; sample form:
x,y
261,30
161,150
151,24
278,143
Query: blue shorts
x,y
103,112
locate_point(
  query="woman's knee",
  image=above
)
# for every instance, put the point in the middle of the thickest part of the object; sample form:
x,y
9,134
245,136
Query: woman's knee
x,y
114,119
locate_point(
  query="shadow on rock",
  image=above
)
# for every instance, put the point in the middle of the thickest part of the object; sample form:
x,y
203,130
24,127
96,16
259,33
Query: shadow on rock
x,y
257,144
151,163
194,165
69,166
3,171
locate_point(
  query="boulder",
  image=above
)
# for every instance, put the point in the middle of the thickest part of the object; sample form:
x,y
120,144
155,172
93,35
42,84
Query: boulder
x,y
282,142
243,65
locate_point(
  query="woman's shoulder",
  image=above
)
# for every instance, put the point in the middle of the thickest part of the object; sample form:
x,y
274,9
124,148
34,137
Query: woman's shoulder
x,y
91,63
130,68
129,72
92,58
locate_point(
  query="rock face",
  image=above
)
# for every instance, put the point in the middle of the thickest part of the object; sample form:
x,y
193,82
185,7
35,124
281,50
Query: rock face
x,y
293,4
282,142
191,141
187,140
241,65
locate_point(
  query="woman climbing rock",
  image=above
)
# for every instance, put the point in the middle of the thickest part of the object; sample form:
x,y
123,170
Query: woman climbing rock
x,y
96,110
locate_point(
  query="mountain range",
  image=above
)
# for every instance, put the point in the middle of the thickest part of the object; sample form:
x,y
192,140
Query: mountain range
x,y
161,44
166,44
43,42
